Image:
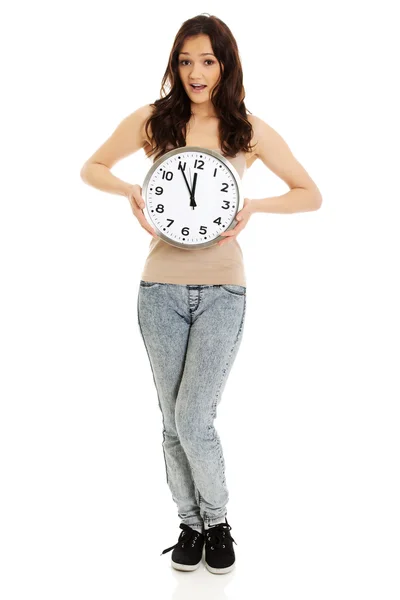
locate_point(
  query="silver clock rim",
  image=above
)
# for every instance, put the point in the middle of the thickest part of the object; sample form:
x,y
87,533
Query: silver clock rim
x,y
180,150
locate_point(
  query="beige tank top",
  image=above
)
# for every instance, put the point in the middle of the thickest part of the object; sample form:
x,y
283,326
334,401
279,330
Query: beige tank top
x,y
212,265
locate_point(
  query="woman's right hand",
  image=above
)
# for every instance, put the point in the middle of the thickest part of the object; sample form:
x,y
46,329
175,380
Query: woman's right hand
x,y
134,195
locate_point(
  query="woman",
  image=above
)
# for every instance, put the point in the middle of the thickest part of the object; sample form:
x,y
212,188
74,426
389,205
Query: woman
x,y
192,303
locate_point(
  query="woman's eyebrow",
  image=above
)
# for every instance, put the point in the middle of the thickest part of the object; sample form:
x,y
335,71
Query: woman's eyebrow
x,y
202,54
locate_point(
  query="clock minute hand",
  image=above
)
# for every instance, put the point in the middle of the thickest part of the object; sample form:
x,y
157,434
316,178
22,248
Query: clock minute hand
x,y
188,186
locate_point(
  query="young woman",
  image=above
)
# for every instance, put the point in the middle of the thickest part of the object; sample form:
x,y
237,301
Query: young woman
x,y
192,303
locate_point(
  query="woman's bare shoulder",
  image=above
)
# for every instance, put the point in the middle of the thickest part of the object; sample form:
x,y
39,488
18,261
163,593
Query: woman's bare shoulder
x,y
139,118
146,112
127,138
255,122
251,156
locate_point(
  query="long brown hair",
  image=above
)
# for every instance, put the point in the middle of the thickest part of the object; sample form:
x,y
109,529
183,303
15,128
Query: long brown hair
x,y
173,111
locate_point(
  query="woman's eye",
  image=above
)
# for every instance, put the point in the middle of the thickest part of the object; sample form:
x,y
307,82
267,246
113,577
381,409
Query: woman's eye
x,y
207,60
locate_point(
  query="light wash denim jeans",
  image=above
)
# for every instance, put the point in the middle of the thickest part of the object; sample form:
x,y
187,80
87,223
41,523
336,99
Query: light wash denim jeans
x,y
192,334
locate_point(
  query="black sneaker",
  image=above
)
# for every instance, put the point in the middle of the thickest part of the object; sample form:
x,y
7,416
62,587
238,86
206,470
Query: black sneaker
x,y
219,553
188,550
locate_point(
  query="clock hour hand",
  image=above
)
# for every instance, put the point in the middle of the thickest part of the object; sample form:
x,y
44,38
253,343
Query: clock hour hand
x,y
192,198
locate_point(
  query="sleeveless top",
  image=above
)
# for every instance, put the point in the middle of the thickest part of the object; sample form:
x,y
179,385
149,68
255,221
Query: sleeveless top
x,y
211,265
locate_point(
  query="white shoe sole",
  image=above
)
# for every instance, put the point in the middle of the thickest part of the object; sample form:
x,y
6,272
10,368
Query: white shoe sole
x,y
182,567
220,571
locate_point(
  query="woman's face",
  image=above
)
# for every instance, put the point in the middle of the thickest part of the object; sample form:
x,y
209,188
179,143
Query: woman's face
x,y
198,64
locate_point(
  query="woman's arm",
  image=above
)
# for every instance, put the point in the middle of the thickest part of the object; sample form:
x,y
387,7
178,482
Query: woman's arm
x,y
127,138
274,152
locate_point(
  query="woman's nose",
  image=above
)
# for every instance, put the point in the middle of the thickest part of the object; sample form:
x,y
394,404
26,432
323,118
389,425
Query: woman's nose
x,y
195,74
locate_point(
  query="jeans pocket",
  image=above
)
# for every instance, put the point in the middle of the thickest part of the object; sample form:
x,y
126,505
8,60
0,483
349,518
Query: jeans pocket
x,y
238,290
148,283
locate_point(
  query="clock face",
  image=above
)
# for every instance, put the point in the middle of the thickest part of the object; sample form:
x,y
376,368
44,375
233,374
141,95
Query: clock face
x,y
192,195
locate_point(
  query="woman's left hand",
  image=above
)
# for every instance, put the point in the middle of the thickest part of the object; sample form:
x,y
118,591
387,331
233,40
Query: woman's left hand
x,y
243,217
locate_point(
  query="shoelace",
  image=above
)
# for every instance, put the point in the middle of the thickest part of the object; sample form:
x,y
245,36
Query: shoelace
x,y
187,536
218,534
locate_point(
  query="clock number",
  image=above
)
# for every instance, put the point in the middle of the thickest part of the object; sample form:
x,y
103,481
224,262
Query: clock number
x,y
225,189
203,229
185,231
170,222
201,163
215,172
161,207
180,166
168,175
217,221
227,202
159,190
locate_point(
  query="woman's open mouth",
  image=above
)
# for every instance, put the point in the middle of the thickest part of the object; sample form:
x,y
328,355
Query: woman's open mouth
x,y
197,88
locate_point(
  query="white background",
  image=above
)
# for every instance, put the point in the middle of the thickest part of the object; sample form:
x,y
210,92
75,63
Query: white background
x,y
309,417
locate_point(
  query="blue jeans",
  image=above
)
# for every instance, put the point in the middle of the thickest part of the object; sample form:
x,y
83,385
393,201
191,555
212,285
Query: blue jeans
x,y
192,334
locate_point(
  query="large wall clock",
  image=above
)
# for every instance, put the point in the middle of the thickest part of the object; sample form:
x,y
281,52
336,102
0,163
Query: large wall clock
x,y
192,195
